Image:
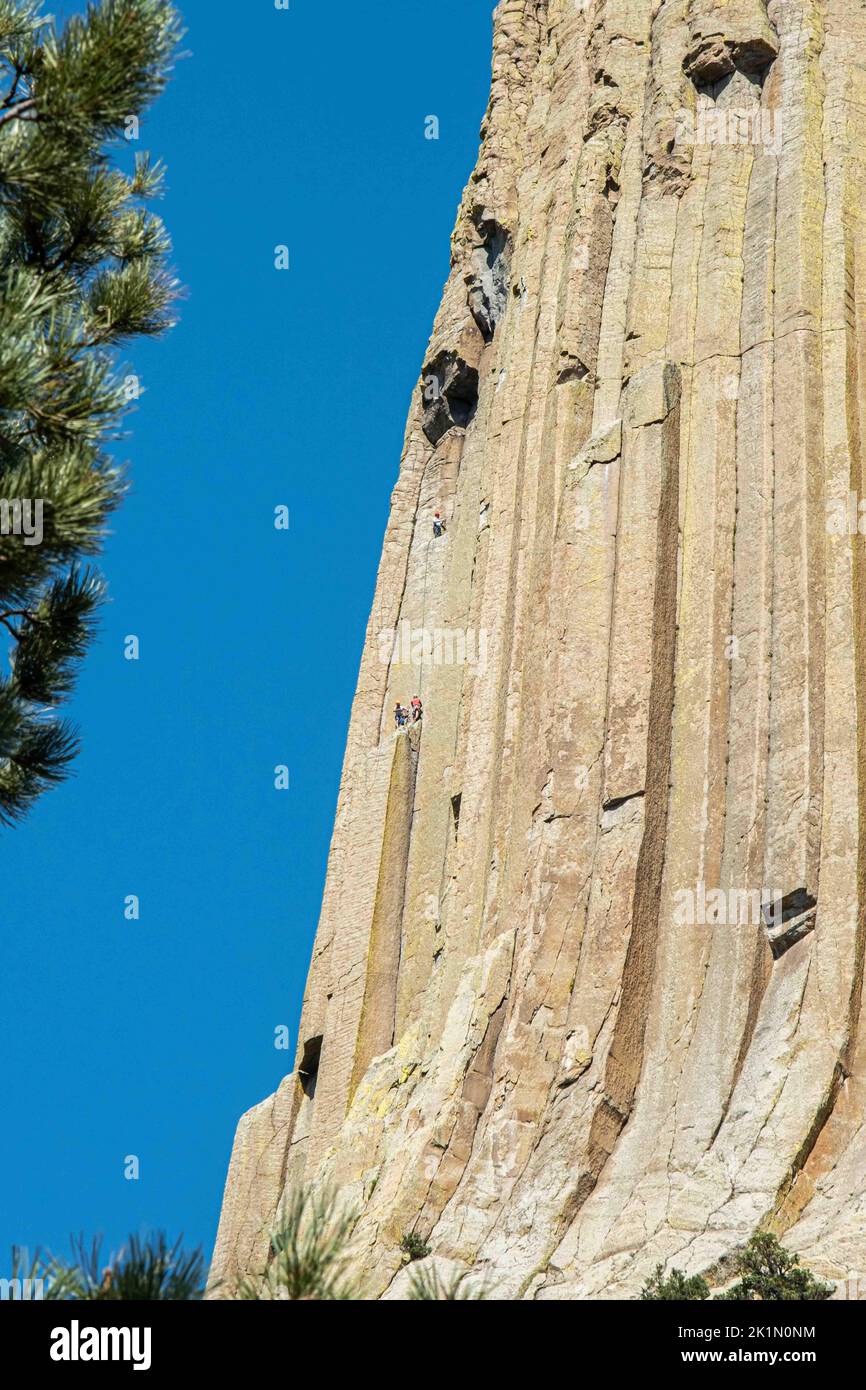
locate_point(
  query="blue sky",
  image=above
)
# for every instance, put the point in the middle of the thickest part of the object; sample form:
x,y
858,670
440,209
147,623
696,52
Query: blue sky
x,y
151,1037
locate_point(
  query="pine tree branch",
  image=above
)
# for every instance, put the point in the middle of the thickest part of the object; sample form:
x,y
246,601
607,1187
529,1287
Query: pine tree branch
x,y
16,111
13,90
83,268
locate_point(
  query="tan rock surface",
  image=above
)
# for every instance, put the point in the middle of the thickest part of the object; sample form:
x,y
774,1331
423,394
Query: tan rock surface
x,y
640,647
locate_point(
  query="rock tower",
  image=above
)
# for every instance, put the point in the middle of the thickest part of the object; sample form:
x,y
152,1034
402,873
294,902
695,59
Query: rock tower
x,y
586,993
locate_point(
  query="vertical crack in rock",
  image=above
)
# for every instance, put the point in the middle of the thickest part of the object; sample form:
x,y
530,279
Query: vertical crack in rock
x,y
648,527
376,1026
790,1202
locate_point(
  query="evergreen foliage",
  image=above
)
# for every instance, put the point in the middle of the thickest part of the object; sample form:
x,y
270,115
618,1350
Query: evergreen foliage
x,y
311,1258
310,1252
83,273
145,1270
675,1287
768,1272
426,1285
414,1247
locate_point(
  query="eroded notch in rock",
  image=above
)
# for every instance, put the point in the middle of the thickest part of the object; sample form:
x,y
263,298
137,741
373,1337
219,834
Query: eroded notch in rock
x,y
489,273
571,369
449,389
788,919
723,39
726,39
617,801
308,1067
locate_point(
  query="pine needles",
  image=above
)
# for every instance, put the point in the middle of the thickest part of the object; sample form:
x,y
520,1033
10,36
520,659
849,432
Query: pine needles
x,y
83,273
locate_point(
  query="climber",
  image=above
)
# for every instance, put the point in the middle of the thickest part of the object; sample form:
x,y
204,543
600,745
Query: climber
x,y
438,524
401,716
417,709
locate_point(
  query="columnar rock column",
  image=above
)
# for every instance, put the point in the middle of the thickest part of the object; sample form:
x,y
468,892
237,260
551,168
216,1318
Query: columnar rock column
x,y
586,991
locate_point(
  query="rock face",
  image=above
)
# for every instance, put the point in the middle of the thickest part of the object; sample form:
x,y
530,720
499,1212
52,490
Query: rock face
x,y
586,990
